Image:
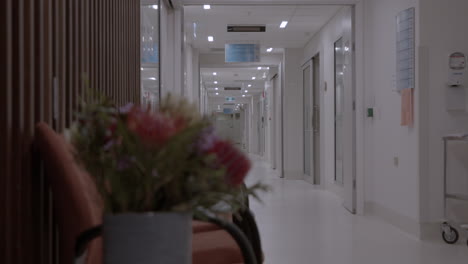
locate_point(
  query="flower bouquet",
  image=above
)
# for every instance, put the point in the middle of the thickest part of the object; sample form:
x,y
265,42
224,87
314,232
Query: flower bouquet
x,y
166,164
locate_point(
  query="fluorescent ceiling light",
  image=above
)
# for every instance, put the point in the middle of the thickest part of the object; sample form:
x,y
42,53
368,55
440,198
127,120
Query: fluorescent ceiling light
x,y
253,78
246,91
243,95
215,82
259,68
214,73
249,85
283,24
268,68
269,49
206,7
216,88
154,7
152,78
210,38
217,93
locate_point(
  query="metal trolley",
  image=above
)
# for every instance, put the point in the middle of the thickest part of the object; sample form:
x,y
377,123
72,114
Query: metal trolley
x,y
450,228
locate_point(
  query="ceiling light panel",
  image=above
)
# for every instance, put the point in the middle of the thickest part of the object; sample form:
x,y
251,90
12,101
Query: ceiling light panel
x,y
206,7
283,24
210,38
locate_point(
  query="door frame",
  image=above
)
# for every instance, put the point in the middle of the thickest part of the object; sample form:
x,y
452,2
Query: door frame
x,y
309,64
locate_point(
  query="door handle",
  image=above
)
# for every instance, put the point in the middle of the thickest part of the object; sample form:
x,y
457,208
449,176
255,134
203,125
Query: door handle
x,y
316,118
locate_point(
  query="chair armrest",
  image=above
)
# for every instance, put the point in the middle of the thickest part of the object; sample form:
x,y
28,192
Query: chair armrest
x,y
239,237
85,238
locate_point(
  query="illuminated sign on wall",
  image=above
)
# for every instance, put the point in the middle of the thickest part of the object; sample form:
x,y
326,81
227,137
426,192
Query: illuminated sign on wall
x,y
242,52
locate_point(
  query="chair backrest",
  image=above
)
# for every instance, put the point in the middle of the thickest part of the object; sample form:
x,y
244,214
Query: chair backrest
x,y
77,204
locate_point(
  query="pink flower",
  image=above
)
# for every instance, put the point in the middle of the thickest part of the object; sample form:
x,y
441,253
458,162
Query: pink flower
x,y
154,129
236,164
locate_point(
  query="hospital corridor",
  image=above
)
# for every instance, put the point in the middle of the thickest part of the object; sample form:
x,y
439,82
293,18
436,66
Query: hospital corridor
x,y
234,131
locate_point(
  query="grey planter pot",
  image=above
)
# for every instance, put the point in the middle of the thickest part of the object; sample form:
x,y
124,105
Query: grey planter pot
x,y
156,238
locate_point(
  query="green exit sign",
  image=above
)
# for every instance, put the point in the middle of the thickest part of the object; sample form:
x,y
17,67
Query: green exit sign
x,y
230,99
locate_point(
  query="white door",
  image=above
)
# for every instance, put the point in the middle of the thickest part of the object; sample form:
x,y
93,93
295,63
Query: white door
x,y
316,118
308,153
349,124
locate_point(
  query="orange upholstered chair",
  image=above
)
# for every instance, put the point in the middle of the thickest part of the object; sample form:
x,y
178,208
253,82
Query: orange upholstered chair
x,y
76,201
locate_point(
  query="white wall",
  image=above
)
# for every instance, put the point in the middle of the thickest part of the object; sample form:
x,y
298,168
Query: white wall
x,y
254,122
191,75
292,114
171,41
389,191
443,30
392,191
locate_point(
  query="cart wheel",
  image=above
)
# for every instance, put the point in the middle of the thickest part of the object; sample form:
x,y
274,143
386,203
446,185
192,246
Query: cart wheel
x,y
452,237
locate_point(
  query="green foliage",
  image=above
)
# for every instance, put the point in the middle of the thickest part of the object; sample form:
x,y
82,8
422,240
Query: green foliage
x,y
134,175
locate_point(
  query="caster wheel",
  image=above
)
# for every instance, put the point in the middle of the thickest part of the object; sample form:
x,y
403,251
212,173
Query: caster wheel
x,y
450,237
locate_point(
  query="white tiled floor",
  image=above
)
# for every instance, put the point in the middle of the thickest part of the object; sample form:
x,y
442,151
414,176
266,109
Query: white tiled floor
x,y
302,225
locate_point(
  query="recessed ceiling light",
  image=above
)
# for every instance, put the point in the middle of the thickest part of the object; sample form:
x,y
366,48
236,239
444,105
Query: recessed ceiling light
x,y
259,68
268,68
141,68
210,38
206,7
215,82
152,78
249,85
283,24
246,91
243,95
253,78
216,88
154,7
269,49
214,73
217,93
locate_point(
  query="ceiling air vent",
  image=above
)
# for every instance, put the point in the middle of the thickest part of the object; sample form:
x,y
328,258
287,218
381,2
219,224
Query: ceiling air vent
x,y
217,49
246,28
232,88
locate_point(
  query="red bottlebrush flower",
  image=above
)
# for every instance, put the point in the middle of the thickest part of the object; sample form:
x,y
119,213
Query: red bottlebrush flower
x,y
153,129
236,164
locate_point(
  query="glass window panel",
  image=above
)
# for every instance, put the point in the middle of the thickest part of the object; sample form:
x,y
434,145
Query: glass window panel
x,y
149,50
339,101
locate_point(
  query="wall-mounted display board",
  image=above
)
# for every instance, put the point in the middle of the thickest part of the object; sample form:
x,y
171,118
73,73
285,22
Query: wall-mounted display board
x,y
405,53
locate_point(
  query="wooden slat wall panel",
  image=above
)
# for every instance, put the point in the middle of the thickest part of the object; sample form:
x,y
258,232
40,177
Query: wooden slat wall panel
x,y
5,125
47,48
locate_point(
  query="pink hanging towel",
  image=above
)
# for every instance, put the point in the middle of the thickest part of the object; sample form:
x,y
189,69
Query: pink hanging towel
x,y
407,111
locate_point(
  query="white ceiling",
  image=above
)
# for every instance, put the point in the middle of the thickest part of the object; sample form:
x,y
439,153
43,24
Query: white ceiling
x,y
263,2
234,77
304,22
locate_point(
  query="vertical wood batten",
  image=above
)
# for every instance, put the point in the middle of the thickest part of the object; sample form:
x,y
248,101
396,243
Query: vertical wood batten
x,y
42,40
5,126
17,112
27,135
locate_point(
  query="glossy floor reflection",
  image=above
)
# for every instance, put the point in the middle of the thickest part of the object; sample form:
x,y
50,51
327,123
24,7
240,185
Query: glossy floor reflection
x,y
302,225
